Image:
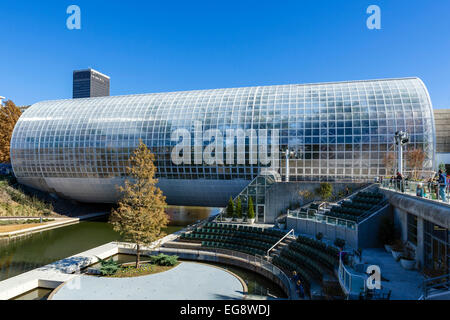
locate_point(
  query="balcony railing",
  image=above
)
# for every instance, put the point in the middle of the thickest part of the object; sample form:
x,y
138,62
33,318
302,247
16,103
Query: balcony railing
x,y
313,215
351,282
430,190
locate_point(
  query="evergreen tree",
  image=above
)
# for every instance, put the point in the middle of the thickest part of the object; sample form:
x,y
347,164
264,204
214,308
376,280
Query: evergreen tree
x,y
239,208
140,215
251,210
230,208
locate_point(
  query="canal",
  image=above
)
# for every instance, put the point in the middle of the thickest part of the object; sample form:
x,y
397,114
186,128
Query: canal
x,y
30,252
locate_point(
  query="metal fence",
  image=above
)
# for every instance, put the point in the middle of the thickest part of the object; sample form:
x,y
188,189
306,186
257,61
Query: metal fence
x,y
352,283
430,190
322,218
436,285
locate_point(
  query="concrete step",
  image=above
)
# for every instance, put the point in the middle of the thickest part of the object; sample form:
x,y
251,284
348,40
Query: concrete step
x,y
182,245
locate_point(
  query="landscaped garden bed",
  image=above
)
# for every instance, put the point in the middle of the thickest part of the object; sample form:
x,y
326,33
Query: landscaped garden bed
x,y
143,270
156,264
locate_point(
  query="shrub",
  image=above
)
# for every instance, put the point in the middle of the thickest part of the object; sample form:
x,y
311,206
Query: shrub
x,y
164,260
108,267
340,243
319,236
325,191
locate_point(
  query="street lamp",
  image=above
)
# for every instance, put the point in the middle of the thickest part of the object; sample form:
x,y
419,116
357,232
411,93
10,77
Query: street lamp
x,y
288,154
401,138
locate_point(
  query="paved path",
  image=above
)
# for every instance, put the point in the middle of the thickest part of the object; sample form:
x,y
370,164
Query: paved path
x,y
403,283
187,281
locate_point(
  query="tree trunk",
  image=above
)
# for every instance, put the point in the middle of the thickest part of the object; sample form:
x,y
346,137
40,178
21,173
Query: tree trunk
x,y
138,255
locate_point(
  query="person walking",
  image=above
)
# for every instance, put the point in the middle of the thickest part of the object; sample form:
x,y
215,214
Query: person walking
x,y
430,188
400,182
442,182
294,276
419,190
300,290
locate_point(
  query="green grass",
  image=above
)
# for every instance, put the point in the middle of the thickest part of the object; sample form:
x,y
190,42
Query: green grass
x,y
142,270
27,221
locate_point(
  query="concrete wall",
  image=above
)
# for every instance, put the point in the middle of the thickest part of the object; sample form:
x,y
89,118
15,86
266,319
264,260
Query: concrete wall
x,y
368,229
365,235
436,212
282,194
424,210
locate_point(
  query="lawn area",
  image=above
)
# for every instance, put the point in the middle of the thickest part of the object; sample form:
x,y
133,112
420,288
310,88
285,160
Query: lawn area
x,y
15,227
142,270
20,224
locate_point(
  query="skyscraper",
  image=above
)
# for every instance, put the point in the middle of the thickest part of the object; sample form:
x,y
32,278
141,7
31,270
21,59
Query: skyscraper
x,y
90,83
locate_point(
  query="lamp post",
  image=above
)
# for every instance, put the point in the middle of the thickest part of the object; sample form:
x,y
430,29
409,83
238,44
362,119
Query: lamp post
x,y
288,154
401,138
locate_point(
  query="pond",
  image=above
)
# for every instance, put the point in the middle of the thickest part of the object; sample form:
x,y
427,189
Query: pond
x,y
36,250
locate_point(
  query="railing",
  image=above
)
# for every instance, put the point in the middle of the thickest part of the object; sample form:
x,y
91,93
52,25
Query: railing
x,y
440,284
279,241
335,221
323,218
430,190
351,282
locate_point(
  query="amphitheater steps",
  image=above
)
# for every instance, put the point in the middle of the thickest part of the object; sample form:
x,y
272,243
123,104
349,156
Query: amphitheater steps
x,y
182,245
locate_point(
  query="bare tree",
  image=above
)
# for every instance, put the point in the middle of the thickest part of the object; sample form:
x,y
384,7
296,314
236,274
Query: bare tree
x,y
415,159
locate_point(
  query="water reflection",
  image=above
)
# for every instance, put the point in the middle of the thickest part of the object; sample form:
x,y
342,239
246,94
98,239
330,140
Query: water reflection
x,y
36,250
184,215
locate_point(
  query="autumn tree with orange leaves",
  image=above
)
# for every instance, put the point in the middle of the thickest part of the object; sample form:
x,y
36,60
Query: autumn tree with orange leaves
x,y
9,114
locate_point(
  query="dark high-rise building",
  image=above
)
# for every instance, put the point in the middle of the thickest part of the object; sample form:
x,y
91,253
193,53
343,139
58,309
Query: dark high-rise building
x,y
90,83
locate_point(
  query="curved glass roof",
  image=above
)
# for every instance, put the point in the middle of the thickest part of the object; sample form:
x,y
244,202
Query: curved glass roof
x,y
341,130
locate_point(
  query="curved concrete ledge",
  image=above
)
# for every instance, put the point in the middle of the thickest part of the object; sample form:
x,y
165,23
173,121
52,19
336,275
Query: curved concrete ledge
x,y
251,263
53,275
186,281
438,213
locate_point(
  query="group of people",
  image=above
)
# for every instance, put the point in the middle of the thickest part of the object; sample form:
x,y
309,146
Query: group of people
x,y
439,184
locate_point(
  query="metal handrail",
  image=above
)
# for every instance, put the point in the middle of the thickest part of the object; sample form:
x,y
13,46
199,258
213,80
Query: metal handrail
x,y
410,188
284,237
344,271
324,218
431,283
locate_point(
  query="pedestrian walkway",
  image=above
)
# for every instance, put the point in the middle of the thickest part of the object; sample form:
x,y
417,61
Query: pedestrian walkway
x,y
187,281
404,284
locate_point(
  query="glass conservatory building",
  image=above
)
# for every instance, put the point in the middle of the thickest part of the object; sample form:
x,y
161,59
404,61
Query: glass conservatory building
x,y
80,148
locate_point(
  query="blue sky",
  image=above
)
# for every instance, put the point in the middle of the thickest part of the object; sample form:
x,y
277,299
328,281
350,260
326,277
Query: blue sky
x,y
154,46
